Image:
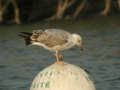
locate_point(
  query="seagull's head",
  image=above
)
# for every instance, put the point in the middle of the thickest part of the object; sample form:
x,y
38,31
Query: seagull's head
x,y
77,40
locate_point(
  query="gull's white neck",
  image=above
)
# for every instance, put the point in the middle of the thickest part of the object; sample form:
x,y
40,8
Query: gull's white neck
x,y
74,38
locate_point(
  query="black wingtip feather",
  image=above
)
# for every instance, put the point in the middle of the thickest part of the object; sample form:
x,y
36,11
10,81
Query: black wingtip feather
x,y
26,33
26,37
27,42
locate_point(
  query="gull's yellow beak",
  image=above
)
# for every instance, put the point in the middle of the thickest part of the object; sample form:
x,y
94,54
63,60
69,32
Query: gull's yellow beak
x,y
80,46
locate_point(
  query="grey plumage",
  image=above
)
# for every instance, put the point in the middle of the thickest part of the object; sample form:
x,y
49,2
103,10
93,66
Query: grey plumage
x,y
50,37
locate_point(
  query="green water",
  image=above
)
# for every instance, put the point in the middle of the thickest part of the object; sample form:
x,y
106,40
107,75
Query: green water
x,y
19,64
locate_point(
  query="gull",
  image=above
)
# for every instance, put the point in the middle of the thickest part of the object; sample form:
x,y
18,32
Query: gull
x,y
54,40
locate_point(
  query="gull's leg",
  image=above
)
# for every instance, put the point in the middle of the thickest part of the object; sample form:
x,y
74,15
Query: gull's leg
x,y
59,58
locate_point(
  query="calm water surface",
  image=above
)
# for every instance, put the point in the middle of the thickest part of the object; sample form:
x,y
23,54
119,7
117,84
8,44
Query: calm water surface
x,y
19,64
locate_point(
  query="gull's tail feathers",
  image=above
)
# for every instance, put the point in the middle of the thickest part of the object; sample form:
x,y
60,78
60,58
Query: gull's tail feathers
x,y
26,36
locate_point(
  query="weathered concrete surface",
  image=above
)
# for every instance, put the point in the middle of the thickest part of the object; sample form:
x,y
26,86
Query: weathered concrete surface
x,y
57,77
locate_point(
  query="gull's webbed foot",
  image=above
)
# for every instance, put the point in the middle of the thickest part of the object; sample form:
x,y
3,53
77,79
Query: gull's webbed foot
x,y
61,63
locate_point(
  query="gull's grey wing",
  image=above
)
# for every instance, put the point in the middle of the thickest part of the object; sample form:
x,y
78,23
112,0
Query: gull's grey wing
x,y
50,38
58,33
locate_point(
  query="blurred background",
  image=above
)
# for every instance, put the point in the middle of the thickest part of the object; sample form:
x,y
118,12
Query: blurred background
x,y
97,21
25,11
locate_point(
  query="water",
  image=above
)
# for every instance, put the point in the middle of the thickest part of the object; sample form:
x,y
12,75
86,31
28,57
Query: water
x,y
101,56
